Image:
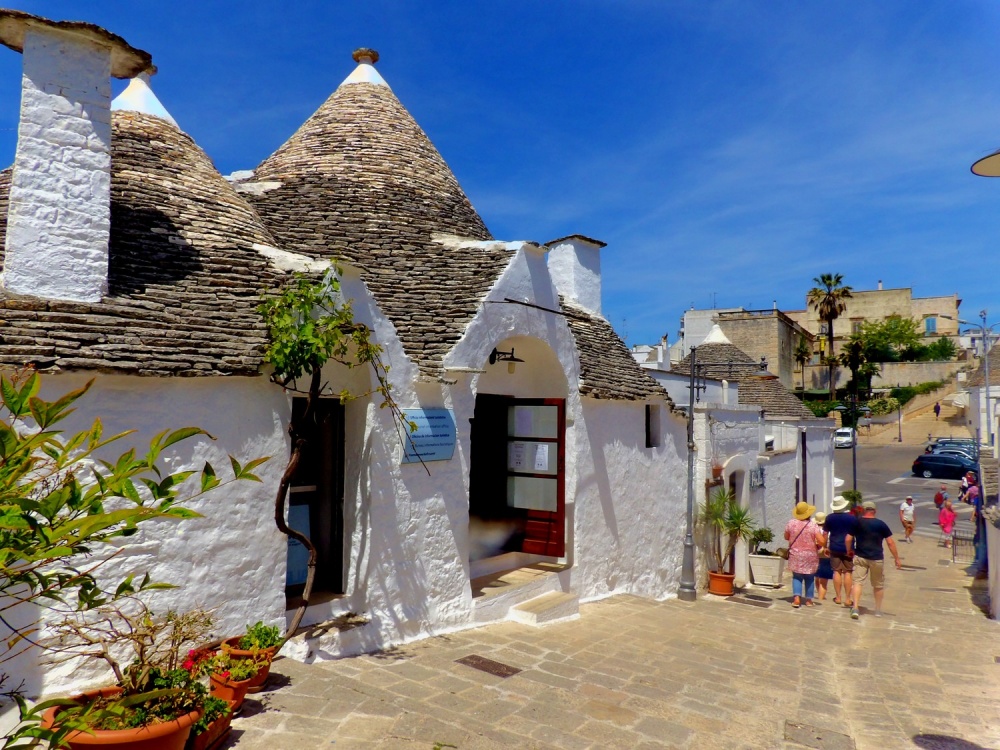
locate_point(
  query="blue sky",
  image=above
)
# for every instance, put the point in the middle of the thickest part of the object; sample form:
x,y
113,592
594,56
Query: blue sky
x,y
725,151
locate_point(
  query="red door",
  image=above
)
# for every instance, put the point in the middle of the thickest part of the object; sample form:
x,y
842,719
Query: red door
x,y
536,459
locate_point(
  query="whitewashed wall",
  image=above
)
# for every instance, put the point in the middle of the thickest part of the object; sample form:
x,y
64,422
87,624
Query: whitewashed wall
x,y
205,558
820,450
629,501
63,159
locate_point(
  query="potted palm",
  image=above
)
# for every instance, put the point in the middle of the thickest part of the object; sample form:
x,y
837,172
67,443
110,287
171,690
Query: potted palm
x,y
725,523
766,567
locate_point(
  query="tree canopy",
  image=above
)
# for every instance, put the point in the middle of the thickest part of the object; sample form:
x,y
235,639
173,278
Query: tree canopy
x,y
897,339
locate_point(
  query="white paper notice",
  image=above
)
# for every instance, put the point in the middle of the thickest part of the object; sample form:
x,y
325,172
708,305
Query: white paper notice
x,y
541,457
517,456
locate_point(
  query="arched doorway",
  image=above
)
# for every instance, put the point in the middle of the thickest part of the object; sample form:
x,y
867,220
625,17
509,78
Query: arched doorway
x,y
517,468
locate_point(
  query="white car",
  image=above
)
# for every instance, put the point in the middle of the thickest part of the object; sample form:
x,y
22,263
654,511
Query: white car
x,y
845,437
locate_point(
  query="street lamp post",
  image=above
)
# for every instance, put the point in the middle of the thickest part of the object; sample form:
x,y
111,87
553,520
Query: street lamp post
x,y
687,591
854,442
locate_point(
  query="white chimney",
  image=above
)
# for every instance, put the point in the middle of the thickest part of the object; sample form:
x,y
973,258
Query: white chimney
x,y
880,285
575,265
58,220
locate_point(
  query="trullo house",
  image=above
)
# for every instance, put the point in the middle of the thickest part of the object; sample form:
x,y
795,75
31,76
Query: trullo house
x,y
129,259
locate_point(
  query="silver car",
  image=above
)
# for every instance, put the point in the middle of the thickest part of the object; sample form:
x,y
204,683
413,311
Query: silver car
x,y
845,437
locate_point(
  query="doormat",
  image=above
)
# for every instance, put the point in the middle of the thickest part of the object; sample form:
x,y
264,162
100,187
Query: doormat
x,y
935,588
754,600
821,739
944,562
488,665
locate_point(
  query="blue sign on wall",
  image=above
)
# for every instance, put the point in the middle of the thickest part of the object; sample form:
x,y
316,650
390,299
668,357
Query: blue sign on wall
x,y
434,438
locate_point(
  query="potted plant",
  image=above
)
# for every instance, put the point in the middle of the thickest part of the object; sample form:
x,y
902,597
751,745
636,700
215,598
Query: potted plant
x,y
766,568
155,701
260,644
213,726
726,523
229,678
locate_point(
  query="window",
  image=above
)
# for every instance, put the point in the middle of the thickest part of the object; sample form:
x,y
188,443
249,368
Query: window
x,y
652,426
856,326
930,326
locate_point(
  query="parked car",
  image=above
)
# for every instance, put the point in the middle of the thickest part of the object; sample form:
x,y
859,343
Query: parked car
x,y
942,466
954,450
956,441
845,437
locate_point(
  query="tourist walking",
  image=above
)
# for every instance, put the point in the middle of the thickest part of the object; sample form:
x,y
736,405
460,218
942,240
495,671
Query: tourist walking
x,y
838,525
869,558
825,571
908,517
940,496
804,540
946,519
937,410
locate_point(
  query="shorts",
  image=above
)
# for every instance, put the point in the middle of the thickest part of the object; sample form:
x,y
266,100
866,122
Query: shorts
x,y
841,563
873,570
908,526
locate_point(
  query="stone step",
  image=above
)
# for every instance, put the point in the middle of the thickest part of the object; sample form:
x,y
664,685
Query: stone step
x,y
556,605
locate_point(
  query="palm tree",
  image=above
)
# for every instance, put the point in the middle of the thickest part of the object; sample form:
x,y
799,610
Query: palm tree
x,y
828,298
802,355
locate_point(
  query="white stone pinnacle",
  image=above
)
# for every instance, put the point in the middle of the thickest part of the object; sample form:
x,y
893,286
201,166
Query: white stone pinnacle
x,y
139,97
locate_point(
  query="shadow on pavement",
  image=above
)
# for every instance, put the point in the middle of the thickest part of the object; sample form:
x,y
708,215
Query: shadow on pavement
x,y
944,742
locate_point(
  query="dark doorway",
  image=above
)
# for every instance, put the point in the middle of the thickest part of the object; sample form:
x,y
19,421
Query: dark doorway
x,y
316,500
516,477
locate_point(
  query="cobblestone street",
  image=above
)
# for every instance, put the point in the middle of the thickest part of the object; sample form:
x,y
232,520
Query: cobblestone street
x,y
631,673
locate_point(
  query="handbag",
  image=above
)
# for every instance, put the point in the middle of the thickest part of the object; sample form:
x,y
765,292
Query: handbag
x,y
783,552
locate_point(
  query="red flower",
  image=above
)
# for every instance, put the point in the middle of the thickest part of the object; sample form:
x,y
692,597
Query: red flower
x,y
188,665
225,675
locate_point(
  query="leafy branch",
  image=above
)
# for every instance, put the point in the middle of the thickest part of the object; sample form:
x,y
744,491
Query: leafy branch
x,y
309,324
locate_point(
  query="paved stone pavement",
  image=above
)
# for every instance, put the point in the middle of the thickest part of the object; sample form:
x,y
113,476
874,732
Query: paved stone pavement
x,y
633,673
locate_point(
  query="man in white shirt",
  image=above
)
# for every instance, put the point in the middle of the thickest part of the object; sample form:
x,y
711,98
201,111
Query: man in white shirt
x,y
908,517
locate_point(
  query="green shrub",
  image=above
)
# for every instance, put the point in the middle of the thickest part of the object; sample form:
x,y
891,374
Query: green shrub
x,y
906,392
260,636
853,497
821,408
881,406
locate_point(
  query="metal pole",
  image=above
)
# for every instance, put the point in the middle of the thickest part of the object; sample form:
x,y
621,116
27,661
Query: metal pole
x,y
854,442
899,421
986,372
805,469
687,592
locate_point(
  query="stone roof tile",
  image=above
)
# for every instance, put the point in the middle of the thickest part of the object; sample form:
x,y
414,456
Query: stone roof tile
x,y
607,368
361,181
729,362
184,280
978,376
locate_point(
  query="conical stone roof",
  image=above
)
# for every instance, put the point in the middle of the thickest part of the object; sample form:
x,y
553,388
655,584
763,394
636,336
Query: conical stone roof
x,y
366,176
720,359
360,181
184,278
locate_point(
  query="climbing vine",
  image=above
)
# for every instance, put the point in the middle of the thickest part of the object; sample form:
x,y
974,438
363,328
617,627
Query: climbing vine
x,y
310,324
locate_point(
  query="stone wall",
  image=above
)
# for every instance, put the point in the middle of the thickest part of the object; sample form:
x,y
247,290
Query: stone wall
x,y
892,374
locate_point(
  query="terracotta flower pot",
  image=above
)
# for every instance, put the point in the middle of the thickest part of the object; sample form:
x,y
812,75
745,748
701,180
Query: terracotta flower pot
x,y
721,583
167,735
213,736
232,647
231,691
